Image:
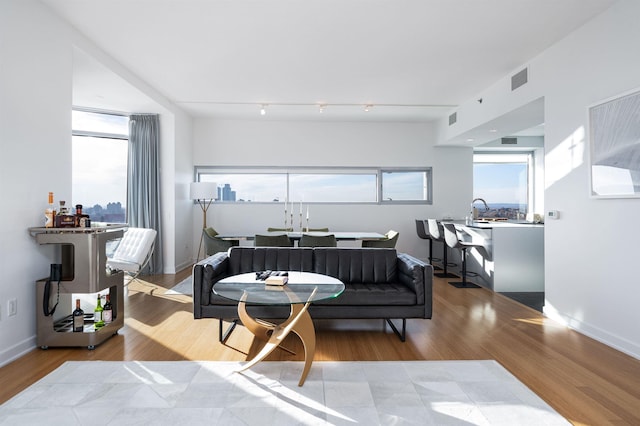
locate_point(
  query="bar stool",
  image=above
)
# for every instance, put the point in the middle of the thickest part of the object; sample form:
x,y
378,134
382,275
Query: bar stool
x,y
435,230
423,234
452,240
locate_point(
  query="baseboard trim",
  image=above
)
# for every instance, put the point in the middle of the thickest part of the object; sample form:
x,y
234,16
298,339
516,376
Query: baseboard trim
x,y
16,351
618,343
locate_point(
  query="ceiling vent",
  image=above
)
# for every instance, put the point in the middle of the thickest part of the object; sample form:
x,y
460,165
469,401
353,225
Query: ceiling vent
x,y
509,141
519,79
453,118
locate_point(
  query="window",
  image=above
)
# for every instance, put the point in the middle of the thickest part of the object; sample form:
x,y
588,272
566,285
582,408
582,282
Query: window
x,y
403,185
319,185
505,182
99,164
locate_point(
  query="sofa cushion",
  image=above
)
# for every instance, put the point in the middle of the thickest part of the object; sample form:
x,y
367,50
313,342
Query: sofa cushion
x,y
356,265
253,259
368,294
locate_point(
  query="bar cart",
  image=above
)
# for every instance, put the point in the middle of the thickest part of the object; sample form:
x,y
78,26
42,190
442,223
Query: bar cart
x,y
83,256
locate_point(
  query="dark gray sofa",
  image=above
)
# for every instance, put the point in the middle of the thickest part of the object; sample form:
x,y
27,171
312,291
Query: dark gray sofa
x,y
379,283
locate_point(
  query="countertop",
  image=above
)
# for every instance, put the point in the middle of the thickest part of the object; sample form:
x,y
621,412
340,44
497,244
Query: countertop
x,y
501,224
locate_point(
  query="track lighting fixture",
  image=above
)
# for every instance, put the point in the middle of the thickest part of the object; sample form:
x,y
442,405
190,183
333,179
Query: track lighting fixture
x,y
321,108
368,107
263,109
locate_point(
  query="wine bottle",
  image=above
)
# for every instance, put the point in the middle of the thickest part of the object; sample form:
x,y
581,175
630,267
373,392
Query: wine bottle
x,y
98,322
78,318
107,310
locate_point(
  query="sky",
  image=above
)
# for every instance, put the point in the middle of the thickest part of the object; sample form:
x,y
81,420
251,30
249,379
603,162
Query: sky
x,y
500,183
99,172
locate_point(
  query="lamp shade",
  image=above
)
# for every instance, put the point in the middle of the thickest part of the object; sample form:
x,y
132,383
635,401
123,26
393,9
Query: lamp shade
x,y
203,190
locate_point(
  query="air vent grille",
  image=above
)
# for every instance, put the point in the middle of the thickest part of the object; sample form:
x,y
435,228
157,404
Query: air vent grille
x,y
509,141
519,79
453,118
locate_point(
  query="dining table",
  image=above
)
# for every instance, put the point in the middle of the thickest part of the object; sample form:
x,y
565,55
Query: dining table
x,y
340,235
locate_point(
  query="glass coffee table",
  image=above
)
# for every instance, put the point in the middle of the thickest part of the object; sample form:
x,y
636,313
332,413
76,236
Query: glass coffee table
x,y
302,289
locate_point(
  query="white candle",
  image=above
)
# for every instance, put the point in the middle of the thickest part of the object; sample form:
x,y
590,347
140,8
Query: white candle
x,y
300,207
307,212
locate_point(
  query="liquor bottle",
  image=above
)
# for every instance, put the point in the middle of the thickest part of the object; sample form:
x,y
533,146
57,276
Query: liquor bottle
x,y
63,218
78,318
50,214
82,220
98,322
107,310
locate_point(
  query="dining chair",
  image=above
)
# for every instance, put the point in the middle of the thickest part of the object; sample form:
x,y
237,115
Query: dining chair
x,y
390,241
307,240
213,245
316,229
437,233
453,240
281,240
270,229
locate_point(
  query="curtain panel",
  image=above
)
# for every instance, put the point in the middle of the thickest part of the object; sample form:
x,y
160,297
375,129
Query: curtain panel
x,y
143,181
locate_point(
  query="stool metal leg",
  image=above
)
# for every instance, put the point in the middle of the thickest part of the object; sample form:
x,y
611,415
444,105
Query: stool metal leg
x,y
445,263
464,283
431,258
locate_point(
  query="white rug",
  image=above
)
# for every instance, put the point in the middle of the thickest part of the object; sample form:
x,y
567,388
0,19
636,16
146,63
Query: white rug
x,y
335,393
183,287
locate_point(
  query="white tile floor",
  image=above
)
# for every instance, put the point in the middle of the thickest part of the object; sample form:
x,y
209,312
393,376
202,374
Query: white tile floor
x,y
335,393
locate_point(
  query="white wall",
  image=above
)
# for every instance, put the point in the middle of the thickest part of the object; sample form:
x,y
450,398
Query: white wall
x,y
175,153
35,155
591,280
181,206
261,142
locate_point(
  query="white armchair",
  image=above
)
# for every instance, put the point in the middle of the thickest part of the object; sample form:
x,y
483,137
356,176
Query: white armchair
x,y
133,252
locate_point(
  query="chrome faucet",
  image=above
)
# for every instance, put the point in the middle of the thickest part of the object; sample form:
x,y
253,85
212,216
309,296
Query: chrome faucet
x,y
486,206
474,211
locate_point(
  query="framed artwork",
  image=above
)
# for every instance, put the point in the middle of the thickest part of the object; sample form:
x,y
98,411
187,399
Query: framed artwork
x,y
614,148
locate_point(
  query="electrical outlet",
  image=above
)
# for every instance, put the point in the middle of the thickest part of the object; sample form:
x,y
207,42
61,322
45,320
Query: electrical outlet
x,y
12,307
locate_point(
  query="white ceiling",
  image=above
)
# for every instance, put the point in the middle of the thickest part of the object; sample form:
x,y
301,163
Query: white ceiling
x,y
413,60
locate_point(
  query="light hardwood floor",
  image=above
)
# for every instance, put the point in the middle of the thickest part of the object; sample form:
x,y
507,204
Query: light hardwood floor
x,y
585,381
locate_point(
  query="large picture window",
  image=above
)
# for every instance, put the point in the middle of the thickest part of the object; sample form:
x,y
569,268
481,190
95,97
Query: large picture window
x,y
504,181
319,185
99,164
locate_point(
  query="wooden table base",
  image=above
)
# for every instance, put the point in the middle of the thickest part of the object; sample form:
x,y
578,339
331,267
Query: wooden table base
x,y
299,322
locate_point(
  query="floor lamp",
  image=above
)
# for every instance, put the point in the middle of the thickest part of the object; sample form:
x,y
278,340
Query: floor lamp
x,y
203,193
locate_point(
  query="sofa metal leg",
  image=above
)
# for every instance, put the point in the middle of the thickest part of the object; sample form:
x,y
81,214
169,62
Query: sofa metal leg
x,y
402,335
222,336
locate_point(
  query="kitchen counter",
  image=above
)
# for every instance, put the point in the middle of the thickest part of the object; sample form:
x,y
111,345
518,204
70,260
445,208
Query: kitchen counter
x,y
511,256
500,224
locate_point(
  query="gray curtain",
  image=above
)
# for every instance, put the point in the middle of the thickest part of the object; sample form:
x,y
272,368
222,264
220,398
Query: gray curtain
x,y
143,180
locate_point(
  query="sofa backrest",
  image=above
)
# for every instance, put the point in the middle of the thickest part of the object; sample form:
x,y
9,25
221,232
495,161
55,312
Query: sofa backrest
x,y
348,264
357,265
252,259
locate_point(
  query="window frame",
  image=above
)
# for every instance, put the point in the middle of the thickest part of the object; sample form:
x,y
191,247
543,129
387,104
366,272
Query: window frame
x,y
530,156
378,172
